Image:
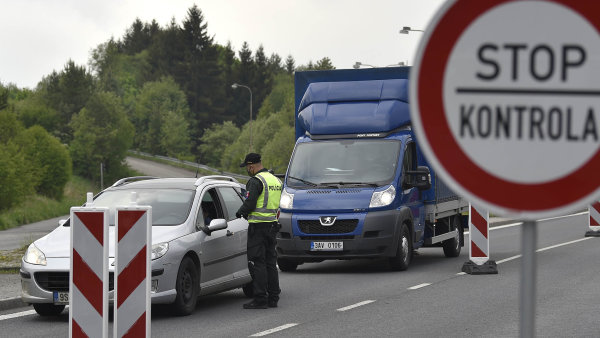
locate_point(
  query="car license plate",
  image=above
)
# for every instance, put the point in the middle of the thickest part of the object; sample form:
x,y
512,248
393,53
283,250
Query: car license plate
x,y
61,297
326,246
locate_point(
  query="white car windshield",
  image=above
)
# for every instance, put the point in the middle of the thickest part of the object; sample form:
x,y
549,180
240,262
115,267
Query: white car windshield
x,y
344,163
169,206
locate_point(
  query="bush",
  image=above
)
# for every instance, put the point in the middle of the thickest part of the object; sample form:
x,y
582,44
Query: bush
x,y
14,182
49,160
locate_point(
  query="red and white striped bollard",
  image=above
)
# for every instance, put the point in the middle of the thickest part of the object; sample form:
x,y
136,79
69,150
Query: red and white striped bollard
x,y
88,280
133,247
479,249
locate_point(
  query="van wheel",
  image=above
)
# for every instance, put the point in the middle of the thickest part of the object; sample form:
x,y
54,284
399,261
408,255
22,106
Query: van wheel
x,y
452,246
186,287
248,290
404,252
47,310
286,265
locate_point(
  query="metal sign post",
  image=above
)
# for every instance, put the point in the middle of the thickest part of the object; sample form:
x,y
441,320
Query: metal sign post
x,y
528,279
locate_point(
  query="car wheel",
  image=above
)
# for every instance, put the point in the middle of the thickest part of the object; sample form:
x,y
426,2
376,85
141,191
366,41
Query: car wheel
x,y
44,309
452,246
248,290
286,265
186,287
404,252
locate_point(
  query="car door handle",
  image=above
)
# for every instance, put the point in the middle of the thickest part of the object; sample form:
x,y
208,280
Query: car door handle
x,y
229,233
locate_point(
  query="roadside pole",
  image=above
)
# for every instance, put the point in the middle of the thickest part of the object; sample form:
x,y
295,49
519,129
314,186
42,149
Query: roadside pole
x,y
528,279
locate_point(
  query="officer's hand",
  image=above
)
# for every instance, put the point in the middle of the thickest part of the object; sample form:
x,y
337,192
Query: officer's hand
x,y
238,215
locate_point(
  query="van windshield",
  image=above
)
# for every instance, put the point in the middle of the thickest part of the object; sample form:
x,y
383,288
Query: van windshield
x,y
336,163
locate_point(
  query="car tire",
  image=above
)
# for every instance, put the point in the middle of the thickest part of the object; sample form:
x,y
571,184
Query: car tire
x,y
286,265
248,290
452,246
187,286
47,310
401,261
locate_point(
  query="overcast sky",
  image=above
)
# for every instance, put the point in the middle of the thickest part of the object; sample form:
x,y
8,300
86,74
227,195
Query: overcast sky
x,y
39,36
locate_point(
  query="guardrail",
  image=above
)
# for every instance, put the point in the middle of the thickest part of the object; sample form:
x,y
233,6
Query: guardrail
x,y
188,163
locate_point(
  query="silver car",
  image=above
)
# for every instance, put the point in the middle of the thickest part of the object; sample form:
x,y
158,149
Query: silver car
x,y
198,244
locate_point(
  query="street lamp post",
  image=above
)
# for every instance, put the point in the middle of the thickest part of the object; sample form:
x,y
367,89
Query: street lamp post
x,y
407,29
235,86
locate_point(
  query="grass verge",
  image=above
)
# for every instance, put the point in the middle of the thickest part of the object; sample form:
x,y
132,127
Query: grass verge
x,y
10,260
39,208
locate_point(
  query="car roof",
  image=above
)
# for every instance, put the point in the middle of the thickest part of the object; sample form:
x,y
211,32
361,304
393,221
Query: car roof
x,y
170,183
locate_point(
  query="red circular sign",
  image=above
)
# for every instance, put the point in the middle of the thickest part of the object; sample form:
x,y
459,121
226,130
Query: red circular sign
x,y
457,167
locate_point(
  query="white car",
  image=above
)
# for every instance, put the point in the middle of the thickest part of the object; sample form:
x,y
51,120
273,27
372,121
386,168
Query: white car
x,y
198,244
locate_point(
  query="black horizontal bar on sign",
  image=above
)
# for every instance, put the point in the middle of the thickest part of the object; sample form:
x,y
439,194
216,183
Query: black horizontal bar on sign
x,y
527,91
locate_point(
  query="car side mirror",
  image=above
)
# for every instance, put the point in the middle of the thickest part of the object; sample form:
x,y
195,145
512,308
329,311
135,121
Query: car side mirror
x,y
420,178
215,225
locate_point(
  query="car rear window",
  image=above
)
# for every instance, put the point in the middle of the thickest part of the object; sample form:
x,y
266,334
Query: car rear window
x,y
169,206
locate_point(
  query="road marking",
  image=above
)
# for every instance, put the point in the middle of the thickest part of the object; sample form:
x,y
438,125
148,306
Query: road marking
x,y
419,286
355,305
17,315
279,328
544,249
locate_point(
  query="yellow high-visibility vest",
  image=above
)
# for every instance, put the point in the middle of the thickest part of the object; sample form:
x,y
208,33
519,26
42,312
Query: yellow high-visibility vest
x,y
268,200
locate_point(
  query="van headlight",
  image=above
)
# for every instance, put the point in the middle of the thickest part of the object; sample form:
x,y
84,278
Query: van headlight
x,y
159,250
287,200
383,198
33,255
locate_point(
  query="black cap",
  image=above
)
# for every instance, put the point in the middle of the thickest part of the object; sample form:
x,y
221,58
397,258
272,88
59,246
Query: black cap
x,y
251,159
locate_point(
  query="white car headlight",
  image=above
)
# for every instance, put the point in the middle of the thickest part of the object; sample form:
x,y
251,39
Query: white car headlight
x,y
383,198
287,200
33,255
159,250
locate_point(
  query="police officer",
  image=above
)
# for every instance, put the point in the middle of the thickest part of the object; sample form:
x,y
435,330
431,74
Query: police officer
x,y
260,209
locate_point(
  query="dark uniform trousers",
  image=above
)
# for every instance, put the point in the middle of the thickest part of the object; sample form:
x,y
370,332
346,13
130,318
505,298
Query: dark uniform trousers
x,y
262,260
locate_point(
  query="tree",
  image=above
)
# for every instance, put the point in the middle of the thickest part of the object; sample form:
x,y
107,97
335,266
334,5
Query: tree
x,y
175,139
34,111
215,140
49,160
324,64
66,92
157,103
15,174
102,134
290,65
201,81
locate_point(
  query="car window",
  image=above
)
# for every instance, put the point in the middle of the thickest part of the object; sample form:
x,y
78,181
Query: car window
x,y
210,208
232,201
169,206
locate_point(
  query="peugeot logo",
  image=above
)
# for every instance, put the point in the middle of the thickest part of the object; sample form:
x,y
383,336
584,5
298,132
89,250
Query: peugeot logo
x,y
327,221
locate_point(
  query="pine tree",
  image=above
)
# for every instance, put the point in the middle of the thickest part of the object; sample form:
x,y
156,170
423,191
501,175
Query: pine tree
x,y
290,66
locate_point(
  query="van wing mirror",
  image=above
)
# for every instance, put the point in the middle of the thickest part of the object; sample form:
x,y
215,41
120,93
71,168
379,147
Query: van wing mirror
x,y
420,178
215,225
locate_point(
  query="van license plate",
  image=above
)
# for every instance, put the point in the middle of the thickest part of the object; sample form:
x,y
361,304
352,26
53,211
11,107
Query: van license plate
x,y
61,297
326,246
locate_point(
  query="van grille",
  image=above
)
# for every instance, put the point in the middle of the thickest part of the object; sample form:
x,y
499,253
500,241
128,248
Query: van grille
x,y
341,226
59,280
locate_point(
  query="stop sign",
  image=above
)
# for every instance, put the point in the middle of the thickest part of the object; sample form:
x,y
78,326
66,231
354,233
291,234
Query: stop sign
x,y
505,102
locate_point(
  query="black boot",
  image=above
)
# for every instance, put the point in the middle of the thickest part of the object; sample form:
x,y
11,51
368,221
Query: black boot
x,y
255,305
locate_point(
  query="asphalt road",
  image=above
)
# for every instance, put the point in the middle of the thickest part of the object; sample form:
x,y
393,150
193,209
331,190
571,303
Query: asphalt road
x,y
364,299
